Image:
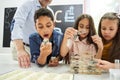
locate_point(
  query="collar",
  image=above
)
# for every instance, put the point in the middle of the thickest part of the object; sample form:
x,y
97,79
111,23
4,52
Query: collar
x,y
108,44
82,41
38,4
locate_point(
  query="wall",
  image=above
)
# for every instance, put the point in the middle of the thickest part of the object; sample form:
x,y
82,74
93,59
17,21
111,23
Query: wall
x,y
100,7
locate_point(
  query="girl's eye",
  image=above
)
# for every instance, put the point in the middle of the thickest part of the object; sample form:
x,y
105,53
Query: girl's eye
x,y
87,27
81,26
111,29
103,28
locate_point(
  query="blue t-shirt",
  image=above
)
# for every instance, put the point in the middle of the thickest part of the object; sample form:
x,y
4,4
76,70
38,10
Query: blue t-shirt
x,y
35,41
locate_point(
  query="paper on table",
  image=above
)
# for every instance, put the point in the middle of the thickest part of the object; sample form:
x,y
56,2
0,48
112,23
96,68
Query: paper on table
x,y
32,75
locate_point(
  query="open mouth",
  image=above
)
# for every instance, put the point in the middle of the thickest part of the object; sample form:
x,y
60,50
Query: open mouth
x,y
46,35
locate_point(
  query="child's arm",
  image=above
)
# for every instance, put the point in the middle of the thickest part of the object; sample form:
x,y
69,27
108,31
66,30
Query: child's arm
x,y
45,51
96,39
64,49
69,33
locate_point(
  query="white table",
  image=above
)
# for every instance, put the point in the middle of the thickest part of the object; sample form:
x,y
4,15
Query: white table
x,y
7,64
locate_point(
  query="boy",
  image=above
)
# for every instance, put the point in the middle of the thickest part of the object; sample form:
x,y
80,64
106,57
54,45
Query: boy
x,y
21,27
45,44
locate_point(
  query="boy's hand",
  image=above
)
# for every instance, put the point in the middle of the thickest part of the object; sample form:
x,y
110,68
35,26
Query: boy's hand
x,y
53,62
46,48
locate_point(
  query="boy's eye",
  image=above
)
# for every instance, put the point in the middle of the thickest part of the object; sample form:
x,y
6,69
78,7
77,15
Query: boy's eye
x,y
40,26
48,25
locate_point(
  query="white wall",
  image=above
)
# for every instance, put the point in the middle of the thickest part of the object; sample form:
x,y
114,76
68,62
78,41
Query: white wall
x,y
100,7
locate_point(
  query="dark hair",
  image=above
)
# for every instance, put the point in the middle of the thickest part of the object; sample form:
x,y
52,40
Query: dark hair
x,y
116,40
43,12
92,30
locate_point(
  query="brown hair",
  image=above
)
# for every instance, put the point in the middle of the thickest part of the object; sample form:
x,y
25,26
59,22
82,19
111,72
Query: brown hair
x,y
115,48
43,12
92,30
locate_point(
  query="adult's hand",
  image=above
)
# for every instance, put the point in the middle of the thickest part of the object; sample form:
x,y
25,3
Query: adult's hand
x,y
22,55
23,59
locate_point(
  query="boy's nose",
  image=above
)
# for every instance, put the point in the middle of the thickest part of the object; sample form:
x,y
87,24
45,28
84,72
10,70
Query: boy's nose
x,y
46,30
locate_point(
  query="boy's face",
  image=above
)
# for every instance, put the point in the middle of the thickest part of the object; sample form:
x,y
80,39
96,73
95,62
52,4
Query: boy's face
x,y
109,29
44,26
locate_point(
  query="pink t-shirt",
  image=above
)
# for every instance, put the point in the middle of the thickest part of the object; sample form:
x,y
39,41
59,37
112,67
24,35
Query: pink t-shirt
x,y
80,47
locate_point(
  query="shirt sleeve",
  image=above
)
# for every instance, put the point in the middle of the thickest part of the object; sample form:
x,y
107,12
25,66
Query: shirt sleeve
x,y
34,48
19,20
